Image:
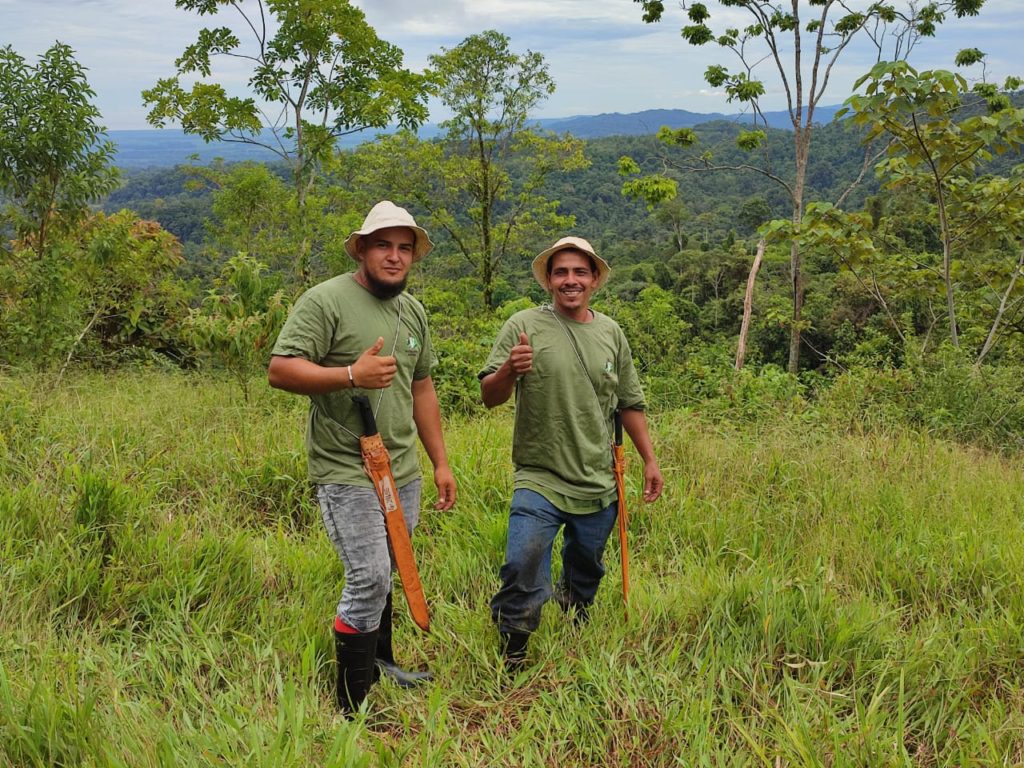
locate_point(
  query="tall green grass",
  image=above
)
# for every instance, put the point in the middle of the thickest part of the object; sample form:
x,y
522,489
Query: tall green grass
x,y
801,596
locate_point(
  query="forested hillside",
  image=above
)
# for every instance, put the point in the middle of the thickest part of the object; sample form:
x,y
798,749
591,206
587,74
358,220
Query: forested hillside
x,y
592,195
719,206
696,248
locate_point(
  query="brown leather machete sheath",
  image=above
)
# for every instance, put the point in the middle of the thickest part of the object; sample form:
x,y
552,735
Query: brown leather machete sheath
x,y
377,462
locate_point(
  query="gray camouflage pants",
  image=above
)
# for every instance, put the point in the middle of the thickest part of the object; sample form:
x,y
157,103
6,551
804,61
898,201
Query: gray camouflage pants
x,y
355,525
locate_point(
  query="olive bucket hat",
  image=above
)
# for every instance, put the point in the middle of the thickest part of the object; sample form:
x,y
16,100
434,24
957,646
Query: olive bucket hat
x,y
540,264
386,214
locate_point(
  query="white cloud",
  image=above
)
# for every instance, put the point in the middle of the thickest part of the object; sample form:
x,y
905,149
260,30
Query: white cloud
x,y
601,55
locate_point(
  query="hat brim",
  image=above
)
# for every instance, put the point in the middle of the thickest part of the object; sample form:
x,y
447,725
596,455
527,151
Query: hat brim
x,y
540,263
422,247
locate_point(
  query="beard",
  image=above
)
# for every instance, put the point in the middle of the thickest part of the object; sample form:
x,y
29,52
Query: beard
x,y
384,291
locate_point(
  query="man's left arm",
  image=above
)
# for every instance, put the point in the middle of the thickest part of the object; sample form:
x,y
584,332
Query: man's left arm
x,y
635,423
426,412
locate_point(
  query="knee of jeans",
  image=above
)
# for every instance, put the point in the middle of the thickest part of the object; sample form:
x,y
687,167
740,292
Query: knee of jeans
x,y
523,564
371,580
362,609
377,588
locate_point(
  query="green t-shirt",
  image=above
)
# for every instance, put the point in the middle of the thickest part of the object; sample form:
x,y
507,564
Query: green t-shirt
x,y
561,446
332,324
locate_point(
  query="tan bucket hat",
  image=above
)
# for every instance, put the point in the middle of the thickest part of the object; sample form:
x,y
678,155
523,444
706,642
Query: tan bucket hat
x,y
386,214
540,264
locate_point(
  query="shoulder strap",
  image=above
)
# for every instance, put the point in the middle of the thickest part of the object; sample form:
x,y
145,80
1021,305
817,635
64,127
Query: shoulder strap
x,y
579,359
380,396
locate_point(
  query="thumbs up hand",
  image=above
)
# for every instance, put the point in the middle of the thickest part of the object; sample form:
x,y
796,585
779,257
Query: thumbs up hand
x,y
520,359
373,370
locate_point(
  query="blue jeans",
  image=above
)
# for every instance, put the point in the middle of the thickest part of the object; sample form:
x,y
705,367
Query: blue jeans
x,y
526,575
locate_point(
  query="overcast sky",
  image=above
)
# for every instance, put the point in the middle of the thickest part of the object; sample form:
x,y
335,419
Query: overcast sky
x,y
601,55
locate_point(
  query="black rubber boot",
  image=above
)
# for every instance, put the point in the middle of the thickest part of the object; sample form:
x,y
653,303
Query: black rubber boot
x,y
578,612
385,664
354,654
513,648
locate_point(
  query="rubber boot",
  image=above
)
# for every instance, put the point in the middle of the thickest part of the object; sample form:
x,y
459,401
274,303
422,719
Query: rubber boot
x,y
354,654
578,612
385,664
513,648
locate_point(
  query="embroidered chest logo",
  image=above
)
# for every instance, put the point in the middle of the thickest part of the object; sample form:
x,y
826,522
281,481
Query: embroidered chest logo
x,y
412,344
609,368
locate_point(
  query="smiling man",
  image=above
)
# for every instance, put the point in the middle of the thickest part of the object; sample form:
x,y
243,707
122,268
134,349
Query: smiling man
x,y
359,333
571,369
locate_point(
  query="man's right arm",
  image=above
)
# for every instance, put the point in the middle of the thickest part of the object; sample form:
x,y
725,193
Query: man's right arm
x,y
497,387
304,377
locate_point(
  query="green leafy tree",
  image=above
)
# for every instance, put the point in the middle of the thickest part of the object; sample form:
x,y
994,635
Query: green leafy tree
x,y
938,152
318,71
462,340
38,304
802,42
239,319
107,294
130,300
465,181
54,158
673,216
54,162
655,330
250,212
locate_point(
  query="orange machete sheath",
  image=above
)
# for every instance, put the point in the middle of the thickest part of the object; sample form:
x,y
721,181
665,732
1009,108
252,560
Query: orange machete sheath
x,y
377,463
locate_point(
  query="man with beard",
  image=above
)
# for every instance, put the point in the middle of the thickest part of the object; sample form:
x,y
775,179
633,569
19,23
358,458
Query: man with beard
x,y
360,333
570,369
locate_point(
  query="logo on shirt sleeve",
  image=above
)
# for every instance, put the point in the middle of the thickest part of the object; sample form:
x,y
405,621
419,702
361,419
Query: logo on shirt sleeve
x,y
412,344
609,368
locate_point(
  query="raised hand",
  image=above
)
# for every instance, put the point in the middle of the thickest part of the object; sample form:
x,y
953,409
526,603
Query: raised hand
x,y
520,359
373,370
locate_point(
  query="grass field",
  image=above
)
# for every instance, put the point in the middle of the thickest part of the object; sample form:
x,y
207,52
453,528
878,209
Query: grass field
x,y
801,596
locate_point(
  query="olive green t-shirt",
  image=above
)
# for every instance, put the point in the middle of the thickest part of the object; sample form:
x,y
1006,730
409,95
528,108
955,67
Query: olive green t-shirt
x,y
561,445
332,324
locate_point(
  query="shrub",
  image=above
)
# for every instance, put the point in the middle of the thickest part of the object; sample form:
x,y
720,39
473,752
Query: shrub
x,y
943,393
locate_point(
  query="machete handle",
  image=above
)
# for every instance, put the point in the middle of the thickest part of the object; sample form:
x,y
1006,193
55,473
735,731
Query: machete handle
x,y
366,412
618,427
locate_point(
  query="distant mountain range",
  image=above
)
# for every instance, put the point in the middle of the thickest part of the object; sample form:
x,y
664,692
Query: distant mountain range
x,y
170,147
650,120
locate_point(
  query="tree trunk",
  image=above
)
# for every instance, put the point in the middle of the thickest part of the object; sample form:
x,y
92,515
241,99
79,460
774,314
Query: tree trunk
x,y
802,139
486,280
990,340
304,243
797,292
74,346
748,305
947,268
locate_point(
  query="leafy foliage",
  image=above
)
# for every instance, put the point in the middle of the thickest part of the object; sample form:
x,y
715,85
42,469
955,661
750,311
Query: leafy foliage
x,y
73,284
107,297
323,69
939,156
128,271
483,183
796,55
239,319
54,159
